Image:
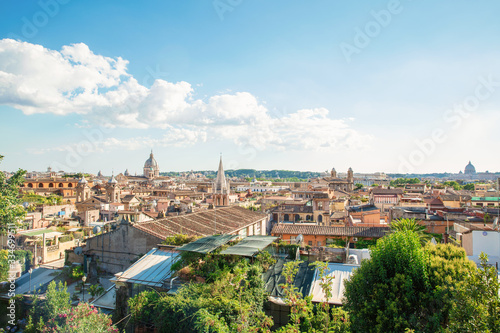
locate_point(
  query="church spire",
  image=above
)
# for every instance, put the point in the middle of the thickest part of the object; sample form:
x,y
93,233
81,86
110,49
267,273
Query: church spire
x,y
220,185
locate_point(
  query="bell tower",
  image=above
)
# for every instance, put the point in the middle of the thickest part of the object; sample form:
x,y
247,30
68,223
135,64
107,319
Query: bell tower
x,y
82,190
113,190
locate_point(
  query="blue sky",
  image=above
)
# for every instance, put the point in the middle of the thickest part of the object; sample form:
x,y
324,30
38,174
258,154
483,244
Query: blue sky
x,y
394,86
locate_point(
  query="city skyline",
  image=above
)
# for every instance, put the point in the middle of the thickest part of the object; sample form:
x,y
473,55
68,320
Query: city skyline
x,y
382,86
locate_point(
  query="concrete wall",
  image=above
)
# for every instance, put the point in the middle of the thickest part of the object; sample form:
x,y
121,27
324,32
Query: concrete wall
x,y
467,243
55,252
116,250
489,243
51,210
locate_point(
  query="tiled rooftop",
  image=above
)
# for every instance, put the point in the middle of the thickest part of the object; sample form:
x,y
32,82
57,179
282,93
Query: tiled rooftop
x,y
224,220
296,229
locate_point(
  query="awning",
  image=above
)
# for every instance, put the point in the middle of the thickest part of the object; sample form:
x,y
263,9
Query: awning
x,y
207,244
249,246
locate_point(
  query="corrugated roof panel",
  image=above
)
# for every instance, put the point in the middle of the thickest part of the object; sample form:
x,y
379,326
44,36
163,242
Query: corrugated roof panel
x,y
250,245
151,270
207,244
341,272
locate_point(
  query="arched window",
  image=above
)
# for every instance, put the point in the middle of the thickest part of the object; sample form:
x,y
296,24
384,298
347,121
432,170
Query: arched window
x,y
320,218
51,184
30,185
40,185
61,185
70,185
297,218
308,218
286,218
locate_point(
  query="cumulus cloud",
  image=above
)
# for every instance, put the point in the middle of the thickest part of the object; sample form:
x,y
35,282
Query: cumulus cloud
x,y
35,79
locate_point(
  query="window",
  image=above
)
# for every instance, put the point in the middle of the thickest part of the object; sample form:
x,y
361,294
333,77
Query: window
x,y
286,218
320,218
40,185
319,243
310,243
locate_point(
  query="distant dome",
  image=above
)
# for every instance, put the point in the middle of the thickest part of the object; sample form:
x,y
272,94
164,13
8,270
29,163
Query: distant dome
x,y
151,162
470,169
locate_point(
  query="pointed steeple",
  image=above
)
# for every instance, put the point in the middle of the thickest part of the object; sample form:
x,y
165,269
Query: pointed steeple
x,y
220,185
112,180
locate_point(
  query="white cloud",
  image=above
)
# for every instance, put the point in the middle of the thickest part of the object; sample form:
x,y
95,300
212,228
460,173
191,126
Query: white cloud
x,y
34,79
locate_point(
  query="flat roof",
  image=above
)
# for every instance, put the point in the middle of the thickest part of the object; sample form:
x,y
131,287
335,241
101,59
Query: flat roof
x,y
151,270
48,233
207,244
340,273
250,245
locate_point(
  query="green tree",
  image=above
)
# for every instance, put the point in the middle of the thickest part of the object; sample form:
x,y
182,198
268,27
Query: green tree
x,y
411,225
11,210
359,186
233,302
469,187
405,286
456,186
55,314
56,302
385,293
477,301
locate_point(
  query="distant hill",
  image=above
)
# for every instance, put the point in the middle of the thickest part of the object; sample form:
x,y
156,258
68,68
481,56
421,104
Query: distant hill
x,y
275,175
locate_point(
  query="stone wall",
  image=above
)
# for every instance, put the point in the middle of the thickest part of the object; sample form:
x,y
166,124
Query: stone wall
x,y
118,249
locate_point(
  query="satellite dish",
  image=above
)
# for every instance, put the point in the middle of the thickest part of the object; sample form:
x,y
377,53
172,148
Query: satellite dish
x,y
78,251
299,239
96,230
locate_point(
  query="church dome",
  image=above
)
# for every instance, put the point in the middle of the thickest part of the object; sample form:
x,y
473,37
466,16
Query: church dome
x,y
469,168
151,162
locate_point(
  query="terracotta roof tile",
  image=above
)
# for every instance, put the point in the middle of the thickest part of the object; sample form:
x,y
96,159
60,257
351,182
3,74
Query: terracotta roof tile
x,y
225,220
296,229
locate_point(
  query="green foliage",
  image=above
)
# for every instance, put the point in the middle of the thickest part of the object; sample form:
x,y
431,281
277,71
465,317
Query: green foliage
x,y
11,210
56,302
365,243
24,257
405,286
231,303
456,186
476,305
83,318
55,314
96,290
400,182
397,277
336,242
469,187
411,225
35,199
359,186
265,260
179,239
304,316
291,249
